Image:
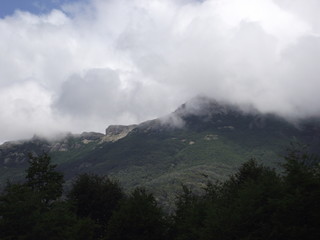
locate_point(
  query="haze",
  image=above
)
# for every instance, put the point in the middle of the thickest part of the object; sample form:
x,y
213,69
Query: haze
x,y
85,65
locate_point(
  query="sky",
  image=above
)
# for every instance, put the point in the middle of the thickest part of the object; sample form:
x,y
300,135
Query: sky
x,y
76,66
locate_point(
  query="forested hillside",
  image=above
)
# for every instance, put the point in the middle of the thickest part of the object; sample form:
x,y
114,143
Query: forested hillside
x,y
256,202
202,140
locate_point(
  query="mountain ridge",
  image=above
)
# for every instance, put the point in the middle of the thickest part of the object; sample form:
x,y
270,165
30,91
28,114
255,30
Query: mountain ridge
x,y
202,136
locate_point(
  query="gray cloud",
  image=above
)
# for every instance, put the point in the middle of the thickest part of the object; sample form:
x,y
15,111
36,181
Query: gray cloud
x,y
96,92
99,62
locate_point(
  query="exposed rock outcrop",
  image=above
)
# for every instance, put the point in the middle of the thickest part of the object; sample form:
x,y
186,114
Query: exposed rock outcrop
x,y
116,132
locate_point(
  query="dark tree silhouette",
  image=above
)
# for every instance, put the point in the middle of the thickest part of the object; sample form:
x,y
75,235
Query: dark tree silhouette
x,y
43,178
32,210
139,217
95,197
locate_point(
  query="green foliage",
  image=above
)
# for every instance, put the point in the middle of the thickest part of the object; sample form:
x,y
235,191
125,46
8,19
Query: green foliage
x,y
139,217
241,207
189,216
19,208
96,198
255,203
147,156
299,209
60,223
32,210
42,178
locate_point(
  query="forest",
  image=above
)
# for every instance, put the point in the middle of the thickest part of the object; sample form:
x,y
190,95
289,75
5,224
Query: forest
x,y
256,202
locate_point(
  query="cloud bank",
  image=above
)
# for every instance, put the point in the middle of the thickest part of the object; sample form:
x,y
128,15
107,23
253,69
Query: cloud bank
x,y
99,62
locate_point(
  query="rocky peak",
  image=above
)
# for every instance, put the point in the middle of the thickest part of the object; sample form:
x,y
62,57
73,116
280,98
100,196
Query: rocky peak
x,y
116,132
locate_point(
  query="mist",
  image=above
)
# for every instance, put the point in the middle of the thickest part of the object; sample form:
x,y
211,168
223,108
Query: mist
x,y
90,64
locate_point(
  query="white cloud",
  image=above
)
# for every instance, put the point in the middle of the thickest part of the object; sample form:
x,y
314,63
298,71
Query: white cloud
x,y
124,61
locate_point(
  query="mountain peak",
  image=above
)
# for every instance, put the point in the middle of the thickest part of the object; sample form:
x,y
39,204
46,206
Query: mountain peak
x,y
208,106
116,132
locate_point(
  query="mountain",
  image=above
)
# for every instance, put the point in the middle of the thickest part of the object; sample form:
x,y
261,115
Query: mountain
x,y
202,140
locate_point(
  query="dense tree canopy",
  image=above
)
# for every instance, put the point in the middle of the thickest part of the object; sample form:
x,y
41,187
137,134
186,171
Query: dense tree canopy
x,y
95,197
256,202
34,210
139,217
43,178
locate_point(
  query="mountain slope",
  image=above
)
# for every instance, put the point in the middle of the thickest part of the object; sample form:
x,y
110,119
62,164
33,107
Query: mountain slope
x,y
202,140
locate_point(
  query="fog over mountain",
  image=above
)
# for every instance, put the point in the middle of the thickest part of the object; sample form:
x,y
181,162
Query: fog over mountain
x,y
93,63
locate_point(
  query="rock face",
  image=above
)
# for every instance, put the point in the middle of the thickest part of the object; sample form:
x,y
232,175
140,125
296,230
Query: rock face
x,y
116,132
75,141
200,137
16,153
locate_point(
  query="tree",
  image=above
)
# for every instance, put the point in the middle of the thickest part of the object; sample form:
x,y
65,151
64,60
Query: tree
x,y
191,211
19,209
60,223
32,210
139,217
256,203
42,178
299,208
95,197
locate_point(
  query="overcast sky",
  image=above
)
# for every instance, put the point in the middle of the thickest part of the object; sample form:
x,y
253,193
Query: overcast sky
x,y
82,65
